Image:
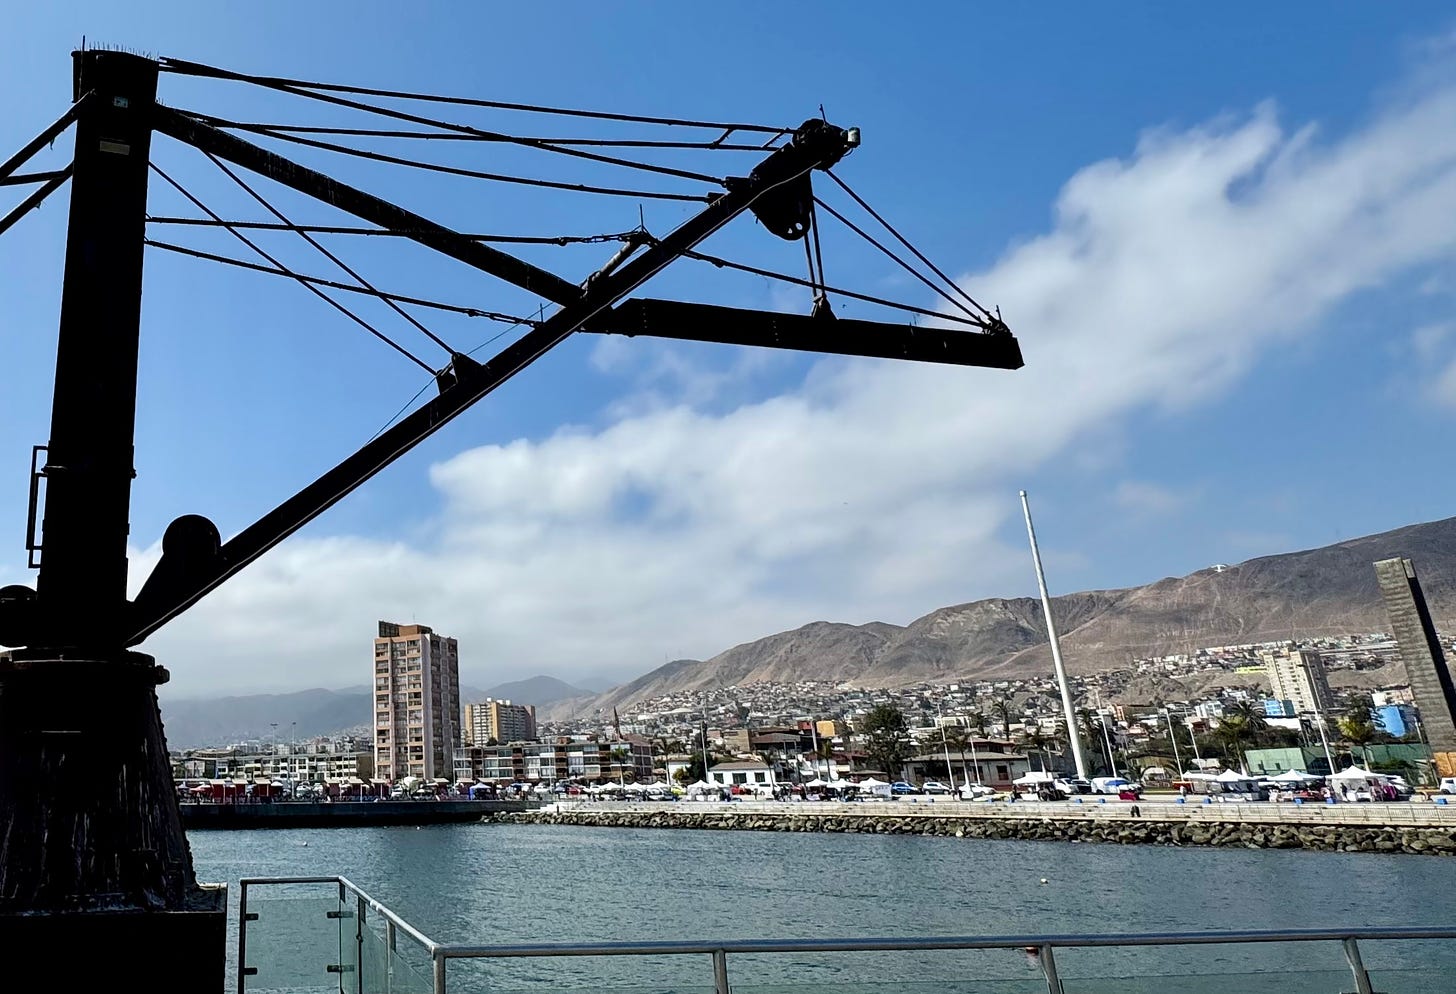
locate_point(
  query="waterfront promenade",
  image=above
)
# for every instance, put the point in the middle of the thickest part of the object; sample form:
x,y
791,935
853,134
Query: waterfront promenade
x,y
1394,827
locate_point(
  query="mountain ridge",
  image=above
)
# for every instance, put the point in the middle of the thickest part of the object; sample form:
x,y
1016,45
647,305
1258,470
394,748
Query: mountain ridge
x,y
1330,590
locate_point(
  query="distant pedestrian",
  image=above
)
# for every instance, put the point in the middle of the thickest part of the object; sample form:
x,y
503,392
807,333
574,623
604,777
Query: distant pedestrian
x,y
1136,811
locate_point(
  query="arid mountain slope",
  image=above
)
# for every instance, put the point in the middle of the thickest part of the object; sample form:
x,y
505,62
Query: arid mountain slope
x,y
1324,591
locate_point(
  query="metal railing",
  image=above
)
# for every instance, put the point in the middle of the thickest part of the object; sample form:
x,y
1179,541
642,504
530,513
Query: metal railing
x,y
360,919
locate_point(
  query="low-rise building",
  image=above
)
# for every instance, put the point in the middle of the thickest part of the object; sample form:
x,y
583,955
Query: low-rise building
x,y
742,773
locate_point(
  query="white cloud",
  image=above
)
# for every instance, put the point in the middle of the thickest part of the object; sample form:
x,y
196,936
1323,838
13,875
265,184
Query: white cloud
x,y
875,490
1142,497
1442,388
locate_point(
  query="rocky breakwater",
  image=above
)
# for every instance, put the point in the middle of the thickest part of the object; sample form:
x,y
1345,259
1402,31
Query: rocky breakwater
x,y
1047,827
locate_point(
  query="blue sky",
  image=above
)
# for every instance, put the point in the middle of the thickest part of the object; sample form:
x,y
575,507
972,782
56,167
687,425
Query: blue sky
x,y
1222,237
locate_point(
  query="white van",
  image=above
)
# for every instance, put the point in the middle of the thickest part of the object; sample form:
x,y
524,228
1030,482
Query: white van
x,y
1448,785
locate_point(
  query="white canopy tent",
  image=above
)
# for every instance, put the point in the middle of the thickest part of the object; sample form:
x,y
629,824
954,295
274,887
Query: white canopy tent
x,y
1033,779
1294,777
1232,776
871,785
1358,774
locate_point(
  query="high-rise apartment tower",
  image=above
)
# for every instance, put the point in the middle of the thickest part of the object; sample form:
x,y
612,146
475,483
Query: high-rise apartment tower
x,y
416,702
500,721
1298,676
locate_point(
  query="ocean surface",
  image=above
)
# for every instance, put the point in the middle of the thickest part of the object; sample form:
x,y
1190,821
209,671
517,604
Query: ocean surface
x,y
494,884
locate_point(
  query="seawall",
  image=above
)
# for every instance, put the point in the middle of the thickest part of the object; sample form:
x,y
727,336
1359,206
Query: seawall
x,y
343,814
1352,828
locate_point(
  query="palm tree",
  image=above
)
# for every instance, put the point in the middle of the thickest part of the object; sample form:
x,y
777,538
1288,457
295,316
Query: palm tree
x,y
1234,728
1058,740
1252,718
825,751
958,740
1037,740
620,755
1359,731
1091,731
1002,710
976,721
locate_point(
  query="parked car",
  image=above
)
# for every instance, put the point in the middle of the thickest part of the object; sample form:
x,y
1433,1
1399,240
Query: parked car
x,y
934,787
1448,785
971,791
1109,785
901,787
1074,785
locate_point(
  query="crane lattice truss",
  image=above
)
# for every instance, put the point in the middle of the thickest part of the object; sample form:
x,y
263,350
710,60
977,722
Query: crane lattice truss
x,y
87,463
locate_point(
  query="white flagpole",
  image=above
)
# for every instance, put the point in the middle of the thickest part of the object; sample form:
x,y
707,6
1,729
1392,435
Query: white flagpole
x,y
1046,606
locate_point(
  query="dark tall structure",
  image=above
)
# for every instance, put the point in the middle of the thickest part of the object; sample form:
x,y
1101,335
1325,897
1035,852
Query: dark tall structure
x,y
1420,650
94,858
95,871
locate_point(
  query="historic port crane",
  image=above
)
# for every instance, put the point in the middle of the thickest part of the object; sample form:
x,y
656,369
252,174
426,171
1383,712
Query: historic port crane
x,y
106,867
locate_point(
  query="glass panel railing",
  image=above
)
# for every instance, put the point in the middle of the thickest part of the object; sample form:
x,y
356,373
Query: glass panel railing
x,y
373,958
1278,982
291,944
976,985
1412,981
412,971
1409,966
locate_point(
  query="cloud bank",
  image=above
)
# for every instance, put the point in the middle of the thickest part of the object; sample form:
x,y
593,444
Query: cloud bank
x,y
872,490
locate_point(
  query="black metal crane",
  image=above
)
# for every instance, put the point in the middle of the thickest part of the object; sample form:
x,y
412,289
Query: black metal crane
x,y
75,704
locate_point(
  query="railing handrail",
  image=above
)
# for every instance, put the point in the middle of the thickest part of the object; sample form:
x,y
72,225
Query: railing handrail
x,y
429,944
925,943
719,949
874,944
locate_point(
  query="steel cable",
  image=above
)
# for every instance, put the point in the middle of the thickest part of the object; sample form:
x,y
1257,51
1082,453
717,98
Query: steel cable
x,y
473,312
329,255
495,177
304,283
198,69
905,242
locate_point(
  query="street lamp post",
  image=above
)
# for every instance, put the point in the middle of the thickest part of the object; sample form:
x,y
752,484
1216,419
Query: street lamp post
x,y
945,745
1178,762
1111,759
1324,740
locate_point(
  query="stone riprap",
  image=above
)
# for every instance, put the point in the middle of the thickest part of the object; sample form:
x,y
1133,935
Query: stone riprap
x,y
1349,830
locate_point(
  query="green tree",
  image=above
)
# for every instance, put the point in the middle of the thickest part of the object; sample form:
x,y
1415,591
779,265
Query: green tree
x,y
977,722
1001,708
887,738
1037,740
621,756
825,753
958,741
1242,724
1089,726
1359,731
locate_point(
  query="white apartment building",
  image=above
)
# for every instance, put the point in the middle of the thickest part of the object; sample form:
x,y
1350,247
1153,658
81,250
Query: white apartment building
x,y
416,702
1298,676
